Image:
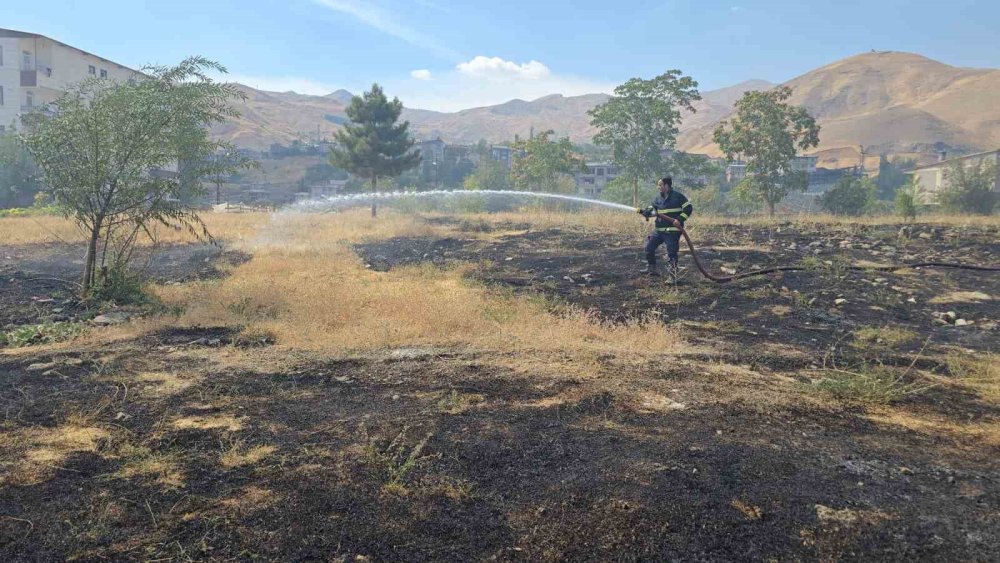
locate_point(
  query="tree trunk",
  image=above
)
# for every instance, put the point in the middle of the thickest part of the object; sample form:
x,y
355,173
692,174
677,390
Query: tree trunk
x,y
635,192
90,263
770,208
374,203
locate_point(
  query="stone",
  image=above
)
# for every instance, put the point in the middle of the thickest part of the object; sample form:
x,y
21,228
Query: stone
x,y
111,318
840,301
40,366
951,316
962,322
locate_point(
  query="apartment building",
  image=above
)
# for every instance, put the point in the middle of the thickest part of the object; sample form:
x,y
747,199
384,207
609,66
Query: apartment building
x,y
595,178
35,70
934,177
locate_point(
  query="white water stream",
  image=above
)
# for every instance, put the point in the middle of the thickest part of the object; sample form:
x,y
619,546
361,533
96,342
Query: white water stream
x,y
336,202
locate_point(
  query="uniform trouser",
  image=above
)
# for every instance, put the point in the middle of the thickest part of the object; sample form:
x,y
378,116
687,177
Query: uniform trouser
x,y
671,239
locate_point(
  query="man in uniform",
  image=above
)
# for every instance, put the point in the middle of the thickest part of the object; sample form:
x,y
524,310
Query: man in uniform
x,y
671,208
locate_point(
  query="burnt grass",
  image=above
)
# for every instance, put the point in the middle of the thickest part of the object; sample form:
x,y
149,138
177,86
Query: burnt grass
x,y
599,272
38,281
523,465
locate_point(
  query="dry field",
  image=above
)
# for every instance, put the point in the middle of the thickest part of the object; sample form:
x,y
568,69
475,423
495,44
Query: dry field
x,y
503,386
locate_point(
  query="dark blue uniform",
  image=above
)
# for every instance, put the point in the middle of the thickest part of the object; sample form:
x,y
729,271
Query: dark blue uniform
x,y
676,206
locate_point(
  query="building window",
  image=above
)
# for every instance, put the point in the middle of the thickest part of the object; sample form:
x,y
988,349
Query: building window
x,y
3,129
27,59
92,70
104,73
29,98
1,95
1,55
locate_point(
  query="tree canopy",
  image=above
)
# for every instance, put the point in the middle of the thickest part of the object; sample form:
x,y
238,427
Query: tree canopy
x,y
539,161
851,196
641,120
971,188
767,133
373,144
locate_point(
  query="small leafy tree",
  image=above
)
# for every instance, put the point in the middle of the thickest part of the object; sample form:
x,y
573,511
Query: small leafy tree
x,y
373,144
971,188
851,196
908,201
767,133
641,120
106,150
539,161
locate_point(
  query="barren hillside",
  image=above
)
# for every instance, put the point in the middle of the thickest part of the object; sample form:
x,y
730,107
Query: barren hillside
x,y
894,102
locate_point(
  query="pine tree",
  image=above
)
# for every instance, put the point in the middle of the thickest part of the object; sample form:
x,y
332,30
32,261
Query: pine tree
x,y
373,145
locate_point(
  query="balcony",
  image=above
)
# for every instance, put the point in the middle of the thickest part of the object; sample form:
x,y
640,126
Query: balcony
x,y
29,78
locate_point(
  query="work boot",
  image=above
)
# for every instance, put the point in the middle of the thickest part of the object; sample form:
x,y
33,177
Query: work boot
x,y
650,270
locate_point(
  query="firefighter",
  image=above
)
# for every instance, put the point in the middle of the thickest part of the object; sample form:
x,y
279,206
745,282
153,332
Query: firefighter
x,y
671,208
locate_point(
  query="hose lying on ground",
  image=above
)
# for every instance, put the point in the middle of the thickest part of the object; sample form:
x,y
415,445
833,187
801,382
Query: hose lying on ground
x,y
724,279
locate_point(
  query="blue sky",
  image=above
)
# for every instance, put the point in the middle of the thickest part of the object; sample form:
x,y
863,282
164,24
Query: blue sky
x,y
443,55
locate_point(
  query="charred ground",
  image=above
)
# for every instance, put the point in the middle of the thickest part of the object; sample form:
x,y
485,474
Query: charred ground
x,y
191,444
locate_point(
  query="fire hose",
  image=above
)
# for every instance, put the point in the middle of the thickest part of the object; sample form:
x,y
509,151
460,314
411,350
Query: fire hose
x,y
765,271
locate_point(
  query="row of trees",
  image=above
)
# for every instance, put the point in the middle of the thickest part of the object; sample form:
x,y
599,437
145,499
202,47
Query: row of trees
x,y
968,189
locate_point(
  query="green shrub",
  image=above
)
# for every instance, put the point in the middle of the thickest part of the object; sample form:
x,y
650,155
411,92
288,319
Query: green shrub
x,y
906,204
45,333
970,189
851,196
121,287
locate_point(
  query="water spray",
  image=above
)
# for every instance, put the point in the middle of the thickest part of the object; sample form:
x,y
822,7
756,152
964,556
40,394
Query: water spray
x,y
341,201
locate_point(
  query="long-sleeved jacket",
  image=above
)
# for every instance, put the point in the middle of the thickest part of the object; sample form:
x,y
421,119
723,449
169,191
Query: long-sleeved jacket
x,y
674,205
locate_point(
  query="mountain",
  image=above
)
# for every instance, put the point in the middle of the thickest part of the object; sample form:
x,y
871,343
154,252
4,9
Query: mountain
x,y
900,103
343,97
273,117
567,116
890,102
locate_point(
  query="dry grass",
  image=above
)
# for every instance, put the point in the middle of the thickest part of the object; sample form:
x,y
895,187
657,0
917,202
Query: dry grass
x,y
981,372
238,456
208,422
35,453
163,468
306,286
47,229
890,336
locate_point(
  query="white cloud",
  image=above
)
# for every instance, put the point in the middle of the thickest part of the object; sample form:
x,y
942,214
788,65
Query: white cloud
x,y
370,14
282,84
421,74
497,69
735,9
484,81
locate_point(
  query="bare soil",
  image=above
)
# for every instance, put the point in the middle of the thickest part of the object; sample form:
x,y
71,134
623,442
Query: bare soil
x,y
431,454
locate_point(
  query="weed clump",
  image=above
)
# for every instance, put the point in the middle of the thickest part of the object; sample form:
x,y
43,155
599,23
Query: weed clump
x,y
878,385
45,333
